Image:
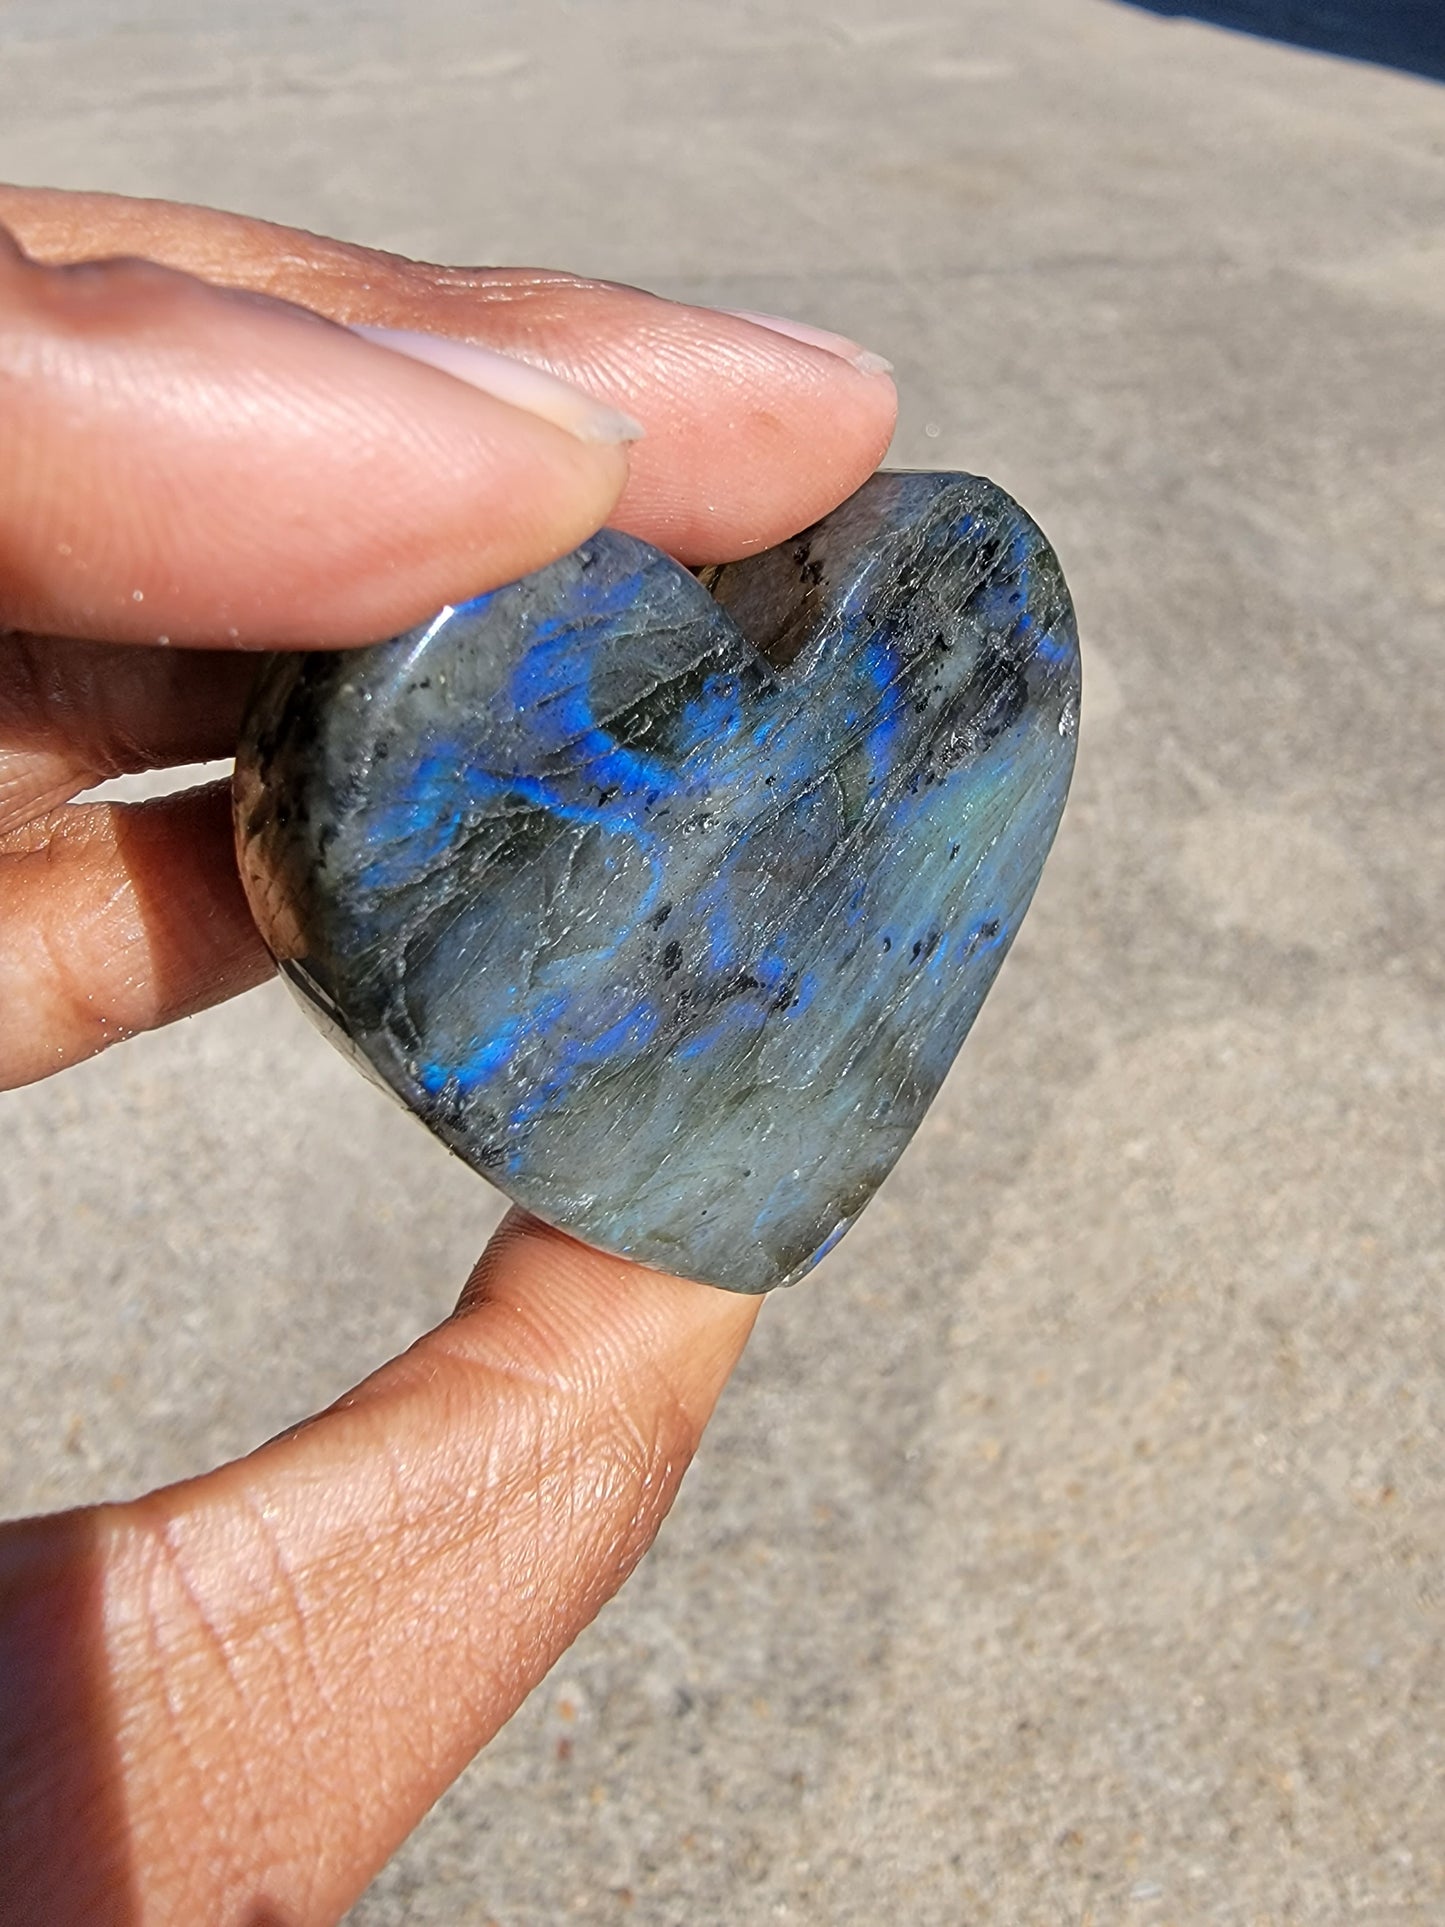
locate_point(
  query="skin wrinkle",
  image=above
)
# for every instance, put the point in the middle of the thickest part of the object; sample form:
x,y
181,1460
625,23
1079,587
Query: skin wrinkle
x,y
157,1693
481,1385
619,1459
90,942
287,1596
628,1459
37,784
233,1793
59,962
205,1645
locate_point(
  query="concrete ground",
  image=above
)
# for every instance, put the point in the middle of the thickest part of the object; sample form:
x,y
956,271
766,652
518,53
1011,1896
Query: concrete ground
x,y
1072,1549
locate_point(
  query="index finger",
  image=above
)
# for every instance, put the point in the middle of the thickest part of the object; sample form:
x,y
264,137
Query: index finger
x,y
750,433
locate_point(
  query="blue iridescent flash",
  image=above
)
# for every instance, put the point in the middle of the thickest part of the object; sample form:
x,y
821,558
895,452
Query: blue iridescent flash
x,y
667,902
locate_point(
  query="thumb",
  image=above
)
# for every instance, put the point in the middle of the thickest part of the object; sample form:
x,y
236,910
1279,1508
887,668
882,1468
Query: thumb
x,y
232,1700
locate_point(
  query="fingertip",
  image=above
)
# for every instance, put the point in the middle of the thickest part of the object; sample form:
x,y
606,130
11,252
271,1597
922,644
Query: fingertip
x,y
550,1287
753,433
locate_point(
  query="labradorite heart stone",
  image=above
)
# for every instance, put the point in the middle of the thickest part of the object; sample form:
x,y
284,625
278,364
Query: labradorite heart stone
x,y
667,901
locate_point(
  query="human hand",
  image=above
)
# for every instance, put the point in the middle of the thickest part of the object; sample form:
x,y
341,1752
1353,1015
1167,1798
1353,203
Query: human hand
x,y
230,1700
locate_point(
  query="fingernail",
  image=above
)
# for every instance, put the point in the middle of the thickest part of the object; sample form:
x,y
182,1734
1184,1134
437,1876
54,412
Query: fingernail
x,y
510,380
863,359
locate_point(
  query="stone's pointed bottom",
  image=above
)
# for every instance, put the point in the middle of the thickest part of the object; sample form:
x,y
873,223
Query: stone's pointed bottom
x,y
666,901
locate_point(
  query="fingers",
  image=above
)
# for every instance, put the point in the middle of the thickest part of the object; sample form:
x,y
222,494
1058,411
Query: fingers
x,y
115,918
750,435
188,464
74,713
255,1684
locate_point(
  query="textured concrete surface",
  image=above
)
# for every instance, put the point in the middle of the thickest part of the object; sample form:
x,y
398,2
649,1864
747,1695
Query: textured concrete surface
x,y
1072,1549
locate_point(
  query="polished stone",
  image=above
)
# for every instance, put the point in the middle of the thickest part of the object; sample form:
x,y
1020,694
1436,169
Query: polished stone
x,y
666,901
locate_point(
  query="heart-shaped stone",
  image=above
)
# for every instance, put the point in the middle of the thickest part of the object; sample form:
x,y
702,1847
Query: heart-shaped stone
x,y
667,901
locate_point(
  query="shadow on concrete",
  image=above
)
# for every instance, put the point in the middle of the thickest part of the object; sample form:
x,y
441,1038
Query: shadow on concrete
x,y
1409,34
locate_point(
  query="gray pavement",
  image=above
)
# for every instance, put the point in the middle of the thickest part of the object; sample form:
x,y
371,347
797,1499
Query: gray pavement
x,y
1072,1549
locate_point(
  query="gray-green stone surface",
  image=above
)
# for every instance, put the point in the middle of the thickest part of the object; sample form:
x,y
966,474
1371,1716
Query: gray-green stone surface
x,y
666,902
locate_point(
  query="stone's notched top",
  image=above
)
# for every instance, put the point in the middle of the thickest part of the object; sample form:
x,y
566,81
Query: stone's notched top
x,y
666,902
